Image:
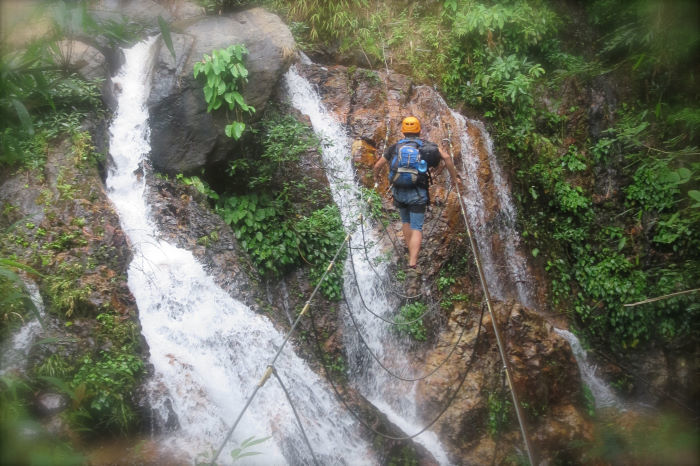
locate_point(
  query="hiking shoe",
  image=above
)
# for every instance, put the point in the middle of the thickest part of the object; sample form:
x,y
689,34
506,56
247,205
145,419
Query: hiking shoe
x,y
413,281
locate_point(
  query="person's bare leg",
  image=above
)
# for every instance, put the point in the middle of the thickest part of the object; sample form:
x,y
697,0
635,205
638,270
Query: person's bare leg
x,y
413,240
406,229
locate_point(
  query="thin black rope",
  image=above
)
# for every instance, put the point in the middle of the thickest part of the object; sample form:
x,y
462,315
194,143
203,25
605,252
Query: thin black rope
x,y
372,429
387,370
369,261
381,278
296,415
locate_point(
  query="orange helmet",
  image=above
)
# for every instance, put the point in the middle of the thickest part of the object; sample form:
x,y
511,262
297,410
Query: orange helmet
x,y
410,125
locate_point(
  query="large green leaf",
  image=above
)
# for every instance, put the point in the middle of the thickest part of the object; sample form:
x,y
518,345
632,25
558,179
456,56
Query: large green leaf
x,y
165,33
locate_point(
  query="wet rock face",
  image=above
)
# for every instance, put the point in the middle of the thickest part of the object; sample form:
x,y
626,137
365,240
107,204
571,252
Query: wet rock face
x,y
545,377
545,374
184,136
372,104
67,217
67,229
185,219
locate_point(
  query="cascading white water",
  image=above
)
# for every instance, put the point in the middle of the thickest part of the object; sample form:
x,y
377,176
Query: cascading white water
x,y
209,350
513,260
16,349
395,398
603,395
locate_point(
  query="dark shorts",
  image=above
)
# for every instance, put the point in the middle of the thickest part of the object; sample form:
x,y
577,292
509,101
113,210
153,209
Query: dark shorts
x,y
411,204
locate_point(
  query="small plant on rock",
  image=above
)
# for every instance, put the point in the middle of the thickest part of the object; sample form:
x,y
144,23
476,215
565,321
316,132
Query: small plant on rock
x,y
225,76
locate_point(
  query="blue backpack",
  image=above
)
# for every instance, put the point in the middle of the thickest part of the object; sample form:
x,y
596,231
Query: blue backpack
x,y
407,170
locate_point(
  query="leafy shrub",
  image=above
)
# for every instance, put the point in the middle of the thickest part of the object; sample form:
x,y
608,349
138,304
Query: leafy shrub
x,y
409,313
66,297
320,236
106,384
500,412
225,75
259,224
14,298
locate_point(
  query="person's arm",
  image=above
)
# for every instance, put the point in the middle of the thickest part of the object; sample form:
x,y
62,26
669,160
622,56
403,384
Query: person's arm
x,y
383,160
450,167
377,168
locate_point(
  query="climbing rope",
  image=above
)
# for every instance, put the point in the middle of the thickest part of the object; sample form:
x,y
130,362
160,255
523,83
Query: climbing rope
x,y
431,423
388,371
496,331
271,365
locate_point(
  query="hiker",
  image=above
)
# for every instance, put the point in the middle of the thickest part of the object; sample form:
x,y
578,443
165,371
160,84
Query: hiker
x,y
409,160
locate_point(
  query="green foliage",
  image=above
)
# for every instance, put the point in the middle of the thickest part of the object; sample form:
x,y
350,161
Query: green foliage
x,y
655,39
284,140
259,225
511,26
320,236
500,412
326,19
240,451
66,295
225,75
105,385
335,365
40,97
54,366
374,204
407,456
14,298
100,385
661,439
276,243
221,6
412,313
588,400
200,185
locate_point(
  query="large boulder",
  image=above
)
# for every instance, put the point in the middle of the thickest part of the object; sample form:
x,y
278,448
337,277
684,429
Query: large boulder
x,y
142,12
184,136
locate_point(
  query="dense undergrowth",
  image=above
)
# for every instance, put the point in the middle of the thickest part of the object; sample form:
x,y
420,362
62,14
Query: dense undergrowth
x,y
43,106
608,195
282,216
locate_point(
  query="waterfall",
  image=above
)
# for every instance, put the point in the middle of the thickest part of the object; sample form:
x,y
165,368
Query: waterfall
x,y
515,268
603,395
207,349
395,398
15,351
506,268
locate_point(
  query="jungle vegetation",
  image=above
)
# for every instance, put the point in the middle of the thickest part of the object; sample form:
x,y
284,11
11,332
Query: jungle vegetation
x,y
609,197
